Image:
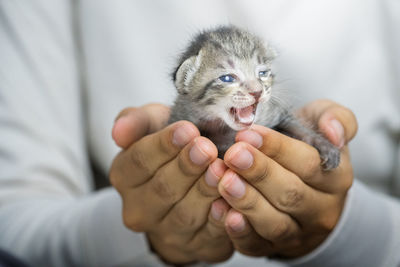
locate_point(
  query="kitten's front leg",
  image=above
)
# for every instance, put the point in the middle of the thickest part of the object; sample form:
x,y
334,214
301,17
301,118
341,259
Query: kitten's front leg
x,y
329,154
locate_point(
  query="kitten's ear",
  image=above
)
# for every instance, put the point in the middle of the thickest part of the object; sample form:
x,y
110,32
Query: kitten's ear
x,y
186,72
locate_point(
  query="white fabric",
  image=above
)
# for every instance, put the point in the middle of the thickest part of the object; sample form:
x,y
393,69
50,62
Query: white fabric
x,y
68,67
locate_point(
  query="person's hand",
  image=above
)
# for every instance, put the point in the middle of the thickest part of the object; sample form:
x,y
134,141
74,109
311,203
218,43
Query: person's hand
x,y
168,184
283,204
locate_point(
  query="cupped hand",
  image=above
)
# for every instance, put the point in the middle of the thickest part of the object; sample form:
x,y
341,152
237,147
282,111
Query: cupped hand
x,y
283,203
168,183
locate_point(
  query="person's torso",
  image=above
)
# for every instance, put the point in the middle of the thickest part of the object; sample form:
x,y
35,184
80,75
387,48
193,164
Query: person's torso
x,y
339,50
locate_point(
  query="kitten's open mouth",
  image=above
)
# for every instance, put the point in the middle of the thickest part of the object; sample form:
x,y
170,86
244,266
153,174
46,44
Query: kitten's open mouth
x,y
244,116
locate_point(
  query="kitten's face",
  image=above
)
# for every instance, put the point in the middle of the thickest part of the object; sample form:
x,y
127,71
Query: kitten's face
x,y
231,89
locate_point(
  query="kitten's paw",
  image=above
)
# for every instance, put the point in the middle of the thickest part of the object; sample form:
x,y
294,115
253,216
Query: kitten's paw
x,y
329,154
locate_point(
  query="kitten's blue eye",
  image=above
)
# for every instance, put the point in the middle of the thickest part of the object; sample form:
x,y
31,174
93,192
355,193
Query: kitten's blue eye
x,y
227,78
264,74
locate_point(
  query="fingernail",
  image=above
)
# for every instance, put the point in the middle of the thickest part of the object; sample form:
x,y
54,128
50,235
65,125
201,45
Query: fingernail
x,y
183,135
339,131
118,128
233,185
197,155
251,137
236,222
211,178
216,212
241,158
115,127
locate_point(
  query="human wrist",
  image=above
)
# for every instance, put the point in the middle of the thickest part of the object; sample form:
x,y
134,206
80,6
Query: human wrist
x,y
356,226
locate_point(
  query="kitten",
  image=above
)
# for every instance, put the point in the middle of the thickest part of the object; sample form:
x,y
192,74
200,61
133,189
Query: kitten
x,y
224,82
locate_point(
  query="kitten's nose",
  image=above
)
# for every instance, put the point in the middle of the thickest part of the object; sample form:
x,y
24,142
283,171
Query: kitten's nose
x,y
254,88
256,94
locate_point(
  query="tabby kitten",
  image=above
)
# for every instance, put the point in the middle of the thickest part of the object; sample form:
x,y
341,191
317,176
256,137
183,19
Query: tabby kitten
x,y
224,82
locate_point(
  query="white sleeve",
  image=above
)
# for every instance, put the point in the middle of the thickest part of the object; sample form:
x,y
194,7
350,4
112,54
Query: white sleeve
x,y
49,215
367,234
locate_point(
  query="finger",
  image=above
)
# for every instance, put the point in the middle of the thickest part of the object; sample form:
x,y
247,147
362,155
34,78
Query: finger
x,y
146,205
266,220
294,155
297,157
337,122
282,188
140,162
191,212
132,124
211,241
172,182
244,238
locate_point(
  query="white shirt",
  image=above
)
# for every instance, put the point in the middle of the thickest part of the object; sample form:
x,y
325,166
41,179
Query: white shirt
x,y
68,67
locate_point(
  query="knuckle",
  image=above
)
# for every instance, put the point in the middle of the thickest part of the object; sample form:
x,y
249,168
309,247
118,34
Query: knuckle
x,y
326,220
134,222
116,175
215,230
185,165
185,162
249,203
327,223
260,175
347,184
115,179
291,198
183,219
165,144
205,190
139,160
275,147
163,188
281,231
312,166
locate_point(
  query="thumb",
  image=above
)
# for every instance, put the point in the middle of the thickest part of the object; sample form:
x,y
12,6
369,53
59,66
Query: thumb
x,y
133,123
339,124
336,122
